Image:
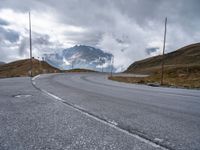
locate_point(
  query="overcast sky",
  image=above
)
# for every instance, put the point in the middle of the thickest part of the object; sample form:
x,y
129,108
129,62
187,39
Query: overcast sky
x,y
129,29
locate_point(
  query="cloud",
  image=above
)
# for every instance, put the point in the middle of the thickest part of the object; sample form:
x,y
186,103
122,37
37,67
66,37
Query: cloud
x,y
3,22
23,46
41,39
9,35
129,29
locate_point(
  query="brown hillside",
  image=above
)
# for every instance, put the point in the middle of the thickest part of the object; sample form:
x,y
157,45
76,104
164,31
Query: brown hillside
x,y
181,69
184,58
21,68
79,70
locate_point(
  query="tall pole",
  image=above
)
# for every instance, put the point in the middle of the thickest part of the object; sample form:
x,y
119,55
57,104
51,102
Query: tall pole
x,y
112,62
162,67
30,38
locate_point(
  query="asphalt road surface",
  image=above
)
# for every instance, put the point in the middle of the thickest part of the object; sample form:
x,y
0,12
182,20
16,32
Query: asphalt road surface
x,y
88,111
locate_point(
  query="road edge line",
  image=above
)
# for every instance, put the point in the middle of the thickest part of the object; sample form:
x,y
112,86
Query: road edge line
x,y
110,124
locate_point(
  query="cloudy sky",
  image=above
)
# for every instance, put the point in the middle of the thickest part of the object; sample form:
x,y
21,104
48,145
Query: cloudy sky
x,y
129,29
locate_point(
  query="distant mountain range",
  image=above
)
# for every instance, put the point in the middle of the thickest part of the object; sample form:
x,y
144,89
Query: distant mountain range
x,y
80,57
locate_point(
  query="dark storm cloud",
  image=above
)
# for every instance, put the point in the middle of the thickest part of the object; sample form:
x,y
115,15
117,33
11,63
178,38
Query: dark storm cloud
x,y
90,12
95,12
9,35
3,22
101,15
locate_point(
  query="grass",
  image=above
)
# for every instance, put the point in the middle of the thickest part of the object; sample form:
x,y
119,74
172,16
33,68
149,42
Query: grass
x,y
21,68
186,77
79,70
183,57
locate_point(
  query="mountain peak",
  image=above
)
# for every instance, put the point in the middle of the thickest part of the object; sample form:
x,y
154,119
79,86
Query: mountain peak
x,y
80,56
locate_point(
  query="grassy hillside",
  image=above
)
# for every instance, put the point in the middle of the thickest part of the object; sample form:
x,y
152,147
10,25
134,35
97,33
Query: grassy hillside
x,y
181,68
22,68
184,58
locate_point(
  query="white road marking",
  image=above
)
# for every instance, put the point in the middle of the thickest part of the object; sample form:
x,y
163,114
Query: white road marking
x,y
113,122
36,77
79,107
52,95
22,96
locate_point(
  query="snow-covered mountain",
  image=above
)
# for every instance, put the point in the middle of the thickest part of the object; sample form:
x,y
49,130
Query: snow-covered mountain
x,y
80,57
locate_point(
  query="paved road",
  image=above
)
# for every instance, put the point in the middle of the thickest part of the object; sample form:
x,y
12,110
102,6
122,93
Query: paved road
x,y
169,117
87,111
30,120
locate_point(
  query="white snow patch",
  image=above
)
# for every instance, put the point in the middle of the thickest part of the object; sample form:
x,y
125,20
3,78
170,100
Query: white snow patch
x,y
66,62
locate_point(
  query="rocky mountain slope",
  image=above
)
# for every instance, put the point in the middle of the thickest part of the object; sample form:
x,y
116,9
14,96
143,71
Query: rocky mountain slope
x,y
80,57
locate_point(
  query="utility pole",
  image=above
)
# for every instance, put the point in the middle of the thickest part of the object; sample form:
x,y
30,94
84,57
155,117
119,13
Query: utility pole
x,y
162,65
30,38
112,62
43,60
39,63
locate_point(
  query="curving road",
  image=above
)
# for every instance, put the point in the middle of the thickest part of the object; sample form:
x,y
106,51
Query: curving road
x,y
75,111
166,117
